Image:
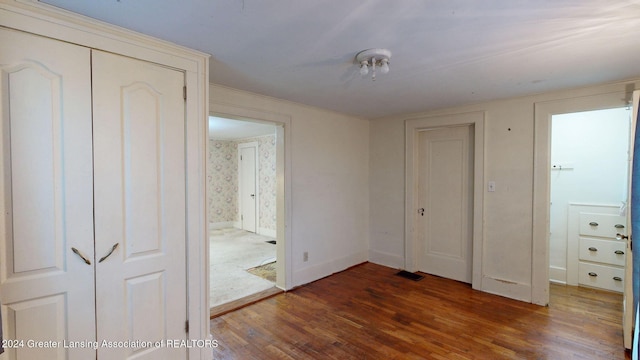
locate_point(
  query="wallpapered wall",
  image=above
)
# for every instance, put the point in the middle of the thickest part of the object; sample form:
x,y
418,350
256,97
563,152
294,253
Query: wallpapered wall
x,y
222,180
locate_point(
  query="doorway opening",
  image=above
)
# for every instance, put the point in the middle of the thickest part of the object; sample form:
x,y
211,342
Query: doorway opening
x,y
544,252
242,211
588,193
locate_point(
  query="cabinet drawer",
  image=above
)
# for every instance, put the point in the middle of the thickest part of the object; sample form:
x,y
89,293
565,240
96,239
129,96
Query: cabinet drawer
x,y
601,276
603,251
602,225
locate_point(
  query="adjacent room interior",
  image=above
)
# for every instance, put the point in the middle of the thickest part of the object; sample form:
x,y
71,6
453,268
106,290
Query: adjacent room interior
x,y
589,179
242,190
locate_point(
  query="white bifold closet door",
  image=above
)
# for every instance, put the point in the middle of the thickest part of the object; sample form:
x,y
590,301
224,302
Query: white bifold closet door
x,y
139,177
46,291
78,125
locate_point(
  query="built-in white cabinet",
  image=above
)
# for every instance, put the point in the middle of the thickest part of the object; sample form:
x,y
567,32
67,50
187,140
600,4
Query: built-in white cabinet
x,y
98,150
602,255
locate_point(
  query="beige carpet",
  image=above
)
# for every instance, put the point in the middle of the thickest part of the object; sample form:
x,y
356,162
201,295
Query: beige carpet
x,y
232,252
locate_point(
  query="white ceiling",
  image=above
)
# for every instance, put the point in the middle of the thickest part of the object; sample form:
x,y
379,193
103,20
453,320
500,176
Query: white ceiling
x,y
445,53
228,129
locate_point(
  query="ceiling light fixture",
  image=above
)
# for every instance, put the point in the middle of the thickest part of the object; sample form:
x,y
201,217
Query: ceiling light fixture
x,y
373,58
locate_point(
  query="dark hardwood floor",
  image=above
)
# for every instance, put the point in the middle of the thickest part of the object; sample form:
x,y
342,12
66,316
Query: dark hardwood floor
x,y
367,312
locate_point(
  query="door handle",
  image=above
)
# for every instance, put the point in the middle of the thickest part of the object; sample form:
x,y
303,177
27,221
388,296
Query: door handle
x,y
253,195
77,252
421,211
110,252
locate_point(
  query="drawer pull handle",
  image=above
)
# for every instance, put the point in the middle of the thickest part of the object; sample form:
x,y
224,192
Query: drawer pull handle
x,y
593,223
618,226
592,274
593,249
617,278
619,252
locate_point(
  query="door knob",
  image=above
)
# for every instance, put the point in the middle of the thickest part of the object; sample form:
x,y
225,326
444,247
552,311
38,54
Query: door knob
x,y
621,237
253,195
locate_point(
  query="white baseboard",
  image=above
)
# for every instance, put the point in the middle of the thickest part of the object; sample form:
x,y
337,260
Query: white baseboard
x,y
267,232
557,275
319,271
386,259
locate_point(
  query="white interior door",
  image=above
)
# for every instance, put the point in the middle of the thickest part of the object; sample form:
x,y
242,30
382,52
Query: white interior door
x,y
248,193
445,191
140,207
46,290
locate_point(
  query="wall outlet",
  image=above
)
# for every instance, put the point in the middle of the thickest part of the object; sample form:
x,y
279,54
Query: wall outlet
x,y
305,256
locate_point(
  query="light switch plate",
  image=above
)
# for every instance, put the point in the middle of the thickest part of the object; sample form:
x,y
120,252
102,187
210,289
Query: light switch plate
x,y
491,186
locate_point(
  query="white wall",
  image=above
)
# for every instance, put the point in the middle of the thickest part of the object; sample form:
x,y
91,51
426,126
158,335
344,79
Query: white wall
x,y
348,177
507,255
595,144
329,182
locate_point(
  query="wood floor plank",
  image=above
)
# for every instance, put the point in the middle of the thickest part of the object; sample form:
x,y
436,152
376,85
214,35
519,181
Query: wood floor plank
x,y
367,312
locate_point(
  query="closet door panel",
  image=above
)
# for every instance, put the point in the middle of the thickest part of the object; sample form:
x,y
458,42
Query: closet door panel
x,y
50,314
139,157
142,125
46,196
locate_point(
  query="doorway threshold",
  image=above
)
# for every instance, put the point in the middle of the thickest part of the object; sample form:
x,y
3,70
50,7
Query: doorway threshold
x,y
245,301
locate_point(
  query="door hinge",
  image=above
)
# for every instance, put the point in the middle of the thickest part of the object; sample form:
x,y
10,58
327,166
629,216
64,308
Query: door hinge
x,y
240,157
186,326
184,92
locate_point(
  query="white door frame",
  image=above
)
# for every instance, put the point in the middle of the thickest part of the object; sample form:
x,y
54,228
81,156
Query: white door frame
x,y
412,128
253,144
284,269
542,182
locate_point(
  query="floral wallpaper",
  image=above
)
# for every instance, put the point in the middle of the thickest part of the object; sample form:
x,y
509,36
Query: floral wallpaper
x,y
223,180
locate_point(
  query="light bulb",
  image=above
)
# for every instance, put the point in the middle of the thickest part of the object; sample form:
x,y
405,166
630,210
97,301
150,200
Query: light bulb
x,y
364,69
384,68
